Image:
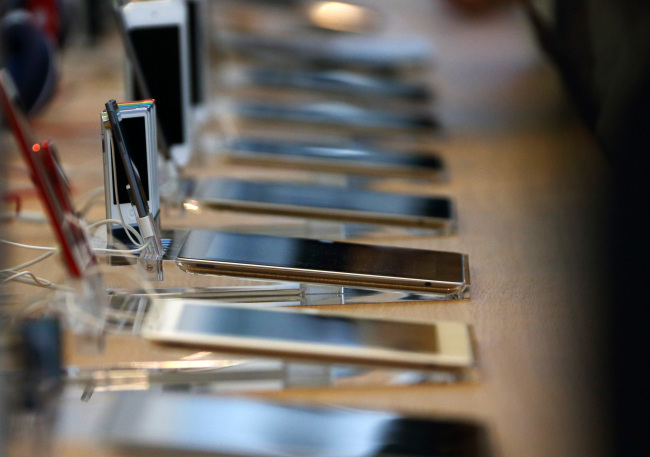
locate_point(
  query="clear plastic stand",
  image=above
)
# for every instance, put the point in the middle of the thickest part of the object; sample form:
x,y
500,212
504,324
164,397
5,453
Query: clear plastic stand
x,y
85,303
84,306
270,293
208,371
340,295
323,229
236,375
171,184
150,256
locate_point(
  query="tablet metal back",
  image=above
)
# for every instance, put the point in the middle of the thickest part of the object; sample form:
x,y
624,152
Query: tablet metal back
x,y
440,274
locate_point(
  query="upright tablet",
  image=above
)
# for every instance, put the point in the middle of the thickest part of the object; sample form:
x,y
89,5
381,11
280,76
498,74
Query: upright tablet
x,y
139,129
158,33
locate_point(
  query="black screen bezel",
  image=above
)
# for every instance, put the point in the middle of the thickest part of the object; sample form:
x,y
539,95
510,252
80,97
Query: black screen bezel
x,y
135,137
169,103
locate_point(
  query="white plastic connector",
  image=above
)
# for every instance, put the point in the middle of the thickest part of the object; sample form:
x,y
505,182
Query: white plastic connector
x,y
151,257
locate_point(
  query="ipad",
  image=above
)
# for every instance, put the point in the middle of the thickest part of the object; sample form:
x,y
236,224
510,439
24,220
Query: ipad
x,y
336,157
338,81
327,203
200,425
309,334
337,114
444,274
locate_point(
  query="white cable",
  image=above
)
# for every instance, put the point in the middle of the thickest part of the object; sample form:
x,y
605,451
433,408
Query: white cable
x,y
32,280
131,317
18,274
126,227
29,263
122,251
29,246
53,250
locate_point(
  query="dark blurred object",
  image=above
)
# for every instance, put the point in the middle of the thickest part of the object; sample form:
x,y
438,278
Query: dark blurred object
x,y
199,425
339,114
339,81
480,6
29,55
621,47
5,380
568,44
356,157
33,371
41,360
47,15
98,15
4,331
602,48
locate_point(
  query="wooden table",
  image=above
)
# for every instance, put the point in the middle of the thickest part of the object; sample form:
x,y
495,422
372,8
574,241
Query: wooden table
x,y
529,184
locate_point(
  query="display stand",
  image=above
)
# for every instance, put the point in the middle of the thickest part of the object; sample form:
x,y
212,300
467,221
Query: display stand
x,y
269,293
239,375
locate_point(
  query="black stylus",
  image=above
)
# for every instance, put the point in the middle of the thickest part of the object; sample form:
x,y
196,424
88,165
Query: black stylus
x,y
134,188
